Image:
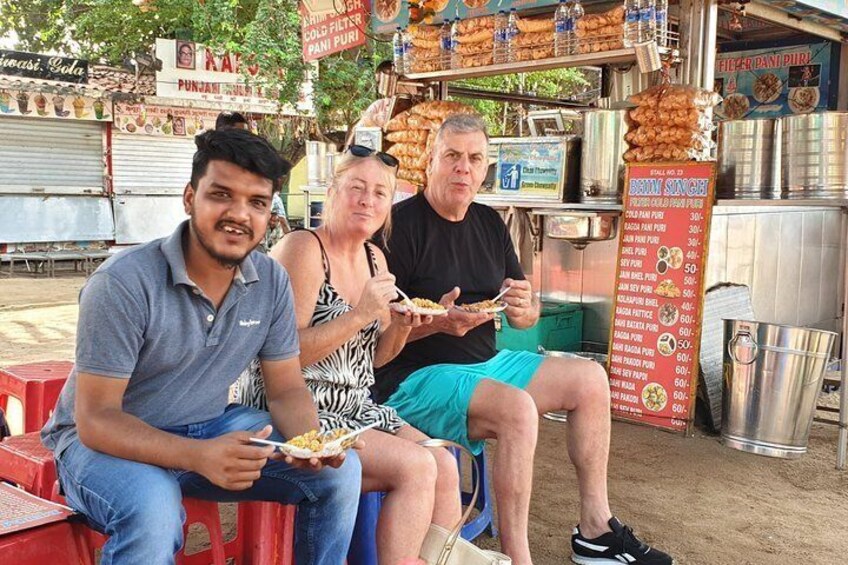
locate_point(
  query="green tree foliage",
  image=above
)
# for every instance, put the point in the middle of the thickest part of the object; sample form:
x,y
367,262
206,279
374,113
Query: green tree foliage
x,y
506,118
265,32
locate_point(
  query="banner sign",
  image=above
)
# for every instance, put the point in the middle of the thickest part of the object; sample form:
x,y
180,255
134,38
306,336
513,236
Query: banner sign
x,y
193,72
46,67
773,82
49,105
143,119
325,34
656,327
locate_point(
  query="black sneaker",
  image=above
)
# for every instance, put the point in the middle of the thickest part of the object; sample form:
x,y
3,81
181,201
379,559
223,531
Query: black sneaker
x,y
613,548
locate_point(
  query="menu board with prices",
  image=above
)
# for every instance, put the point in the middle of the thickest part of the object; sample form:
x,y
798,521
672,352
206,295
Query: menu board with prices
x,y
656,326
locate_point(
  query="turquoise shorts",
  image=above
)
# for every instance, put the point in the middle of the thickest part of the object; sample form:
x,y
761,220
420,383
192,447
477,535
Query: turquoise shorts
x,y
435,399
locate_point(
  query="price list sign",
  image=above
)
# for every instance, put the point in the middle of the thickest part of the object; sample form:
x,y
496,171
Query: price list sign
x,y
659,292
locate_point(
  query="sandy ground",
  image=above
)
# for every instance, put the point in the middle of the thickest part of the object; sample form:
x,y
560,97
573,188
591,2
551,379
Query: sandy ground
x,y
703,502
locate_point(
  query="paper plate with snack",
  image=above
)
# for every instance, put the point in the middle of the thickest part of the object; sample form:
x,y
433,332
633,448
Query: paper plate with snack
x,y
317,445
483,307
420,306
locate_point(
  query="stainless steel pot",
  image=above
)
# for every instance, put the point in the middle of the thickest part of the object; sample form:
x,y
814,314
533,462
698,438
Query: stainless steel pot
x,y
602,165
772,378
597,357
749,159
815,155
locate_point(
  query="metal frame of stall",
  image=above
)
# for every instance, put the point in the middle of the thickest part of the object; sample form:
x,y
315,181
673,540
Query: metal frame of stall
x,y
698,24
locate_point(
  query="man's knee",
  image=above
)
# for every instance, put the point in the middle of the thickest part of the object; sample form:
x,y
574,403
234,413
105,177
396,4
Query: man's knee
x,y
155,513
517,414
595,384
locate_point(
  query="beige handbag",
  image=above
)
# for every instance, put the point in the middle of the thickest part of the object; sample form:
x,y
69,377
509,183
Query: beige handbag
x,y
443,547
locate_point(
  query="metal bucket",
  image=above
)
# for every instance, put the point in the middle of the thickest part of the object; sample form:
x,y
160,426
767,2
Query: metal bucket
x,y
772,378
749,159
601,358
602,166
815,156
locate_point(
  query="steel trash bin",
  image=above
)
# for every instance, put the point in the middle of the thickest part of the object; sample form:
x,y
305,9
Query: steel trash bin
x,y
772,378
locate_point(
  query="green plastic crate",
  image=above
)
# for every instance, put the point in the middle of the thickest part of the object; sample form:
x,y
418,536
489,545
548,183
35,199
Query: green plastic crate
x,y
560,328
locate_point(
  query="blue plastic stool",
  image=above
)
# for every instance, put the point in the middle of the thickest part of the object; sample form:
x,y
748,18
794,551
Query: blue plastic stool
x,y
363,546
484,521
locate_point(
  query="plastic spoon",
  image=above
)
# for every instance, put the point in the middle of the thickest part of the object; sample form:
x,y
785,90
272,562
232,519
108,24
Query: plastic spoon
x,y
350,435
501,293
405,297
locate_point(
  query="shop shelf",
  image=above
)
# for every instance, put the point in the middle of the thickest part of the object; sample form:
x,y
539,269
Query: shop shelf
x,y
614,57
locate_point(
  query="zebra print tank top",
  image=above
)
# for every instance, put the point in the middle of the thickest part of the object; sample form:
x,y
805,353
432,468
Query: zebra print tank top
x,y
340,383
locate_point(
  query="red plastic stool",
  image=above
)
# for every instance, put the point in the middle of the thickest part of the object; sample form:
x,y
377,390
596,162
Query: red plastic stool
x,y
52,543
198,511
265,534
37,386
27,463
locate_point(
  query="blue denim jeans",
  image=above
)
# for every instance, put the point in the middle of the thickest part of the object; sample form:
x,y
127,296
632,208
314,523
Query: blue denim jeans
x,y
139,506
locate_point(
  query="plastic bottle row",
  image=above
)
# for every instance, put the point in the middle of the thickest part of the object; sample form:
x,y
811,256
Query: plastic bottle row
x,y
505,38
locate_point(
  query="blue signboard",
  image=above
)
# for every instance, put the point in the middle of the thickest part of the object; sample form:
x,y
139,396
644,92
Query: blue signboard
x,y
775,81
510,176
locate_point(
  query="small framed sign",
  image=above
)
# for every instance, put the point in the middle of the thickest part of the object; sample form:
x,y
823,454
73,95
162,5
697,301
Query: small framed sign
x,y
371,137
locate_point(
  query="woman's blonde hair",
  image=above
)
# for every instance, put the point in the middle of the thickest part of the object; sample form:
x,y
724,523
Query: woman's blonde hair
x,y
346,162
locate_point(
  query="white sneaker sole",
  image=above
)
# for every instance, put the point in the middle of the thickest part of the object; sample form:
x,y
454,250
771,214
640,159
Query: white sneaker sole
x,y
580,560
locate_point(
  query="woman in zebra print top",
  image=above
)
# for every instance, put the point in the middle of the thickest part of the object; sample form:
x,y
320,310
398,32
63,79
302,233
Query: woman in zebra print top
x,y
342,289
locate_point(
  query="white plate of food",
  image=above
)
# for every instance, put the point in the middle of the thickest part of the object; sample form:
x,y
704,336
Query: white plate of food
x,y
666,344
668,314
804,99
735,106
483,307
767,88
654,397
317,445
386,10
420,306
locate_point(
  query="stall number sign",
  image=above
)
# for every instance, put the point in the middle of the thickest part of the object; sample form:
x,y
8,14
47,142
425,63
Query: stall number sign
x,y
659,283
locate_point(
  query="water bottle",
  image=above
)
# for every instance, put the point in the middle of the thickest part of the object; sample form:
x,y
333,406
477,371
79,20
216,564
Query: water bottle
x,y
647,20
406,41
661,17
499,51
397,50
562,26
454,45
574,14
511,35
445,44
631,22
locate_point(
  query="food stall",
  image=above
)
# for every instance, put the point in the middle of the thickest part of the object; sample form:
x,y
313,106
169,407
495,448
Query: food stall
x,y
53,183
778,224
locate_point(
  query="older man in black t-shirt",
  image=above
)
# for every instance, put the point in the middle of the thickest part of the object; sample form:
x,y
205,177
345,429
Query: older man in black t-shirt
x,y
449,380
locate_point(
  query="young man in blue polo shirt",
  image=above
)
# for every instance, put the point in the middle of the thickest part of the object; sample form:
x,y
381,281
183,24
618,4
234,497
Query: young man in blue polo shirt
x,y
164,330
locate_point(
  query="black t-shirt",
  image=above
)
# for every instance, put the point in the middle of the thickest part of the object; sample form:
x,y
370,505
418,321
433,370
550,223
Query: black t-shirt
x,y
430,255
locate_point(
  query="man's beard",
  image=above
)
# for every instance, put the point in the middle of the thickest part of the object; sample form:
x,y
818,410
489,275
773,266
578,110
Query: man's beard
x,y
223,260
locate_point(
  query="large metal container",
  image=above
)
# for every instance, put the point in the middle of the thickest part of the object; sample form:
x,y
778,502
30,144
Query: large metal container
x,y
815,155
316,162
602,166
749,159
772,378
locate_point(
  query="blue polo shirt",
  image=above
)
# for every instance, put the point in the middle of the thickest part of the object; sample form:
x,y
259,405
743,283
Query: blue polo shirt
x,y
142,319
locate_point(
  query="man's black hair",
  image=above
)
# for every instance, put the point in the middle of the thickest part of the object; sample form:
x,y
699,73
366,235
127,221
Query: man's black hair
x,y
229,119
239,147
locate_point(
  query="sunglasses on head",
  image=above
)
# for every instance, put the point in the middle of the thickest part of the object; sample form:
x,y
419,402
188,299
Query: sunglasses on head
x,y
363,151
